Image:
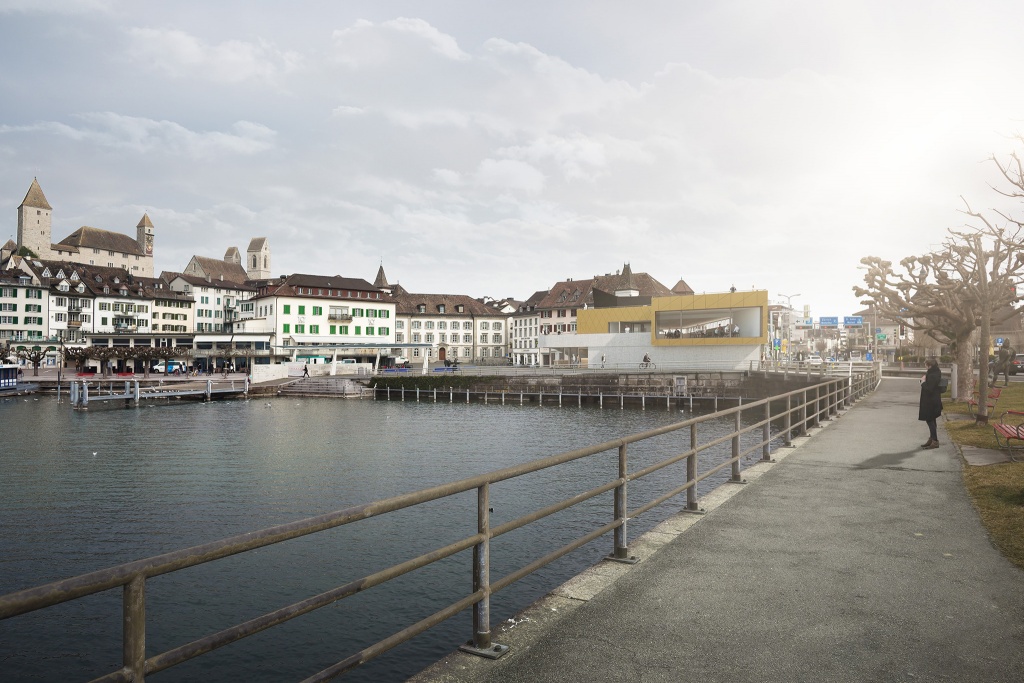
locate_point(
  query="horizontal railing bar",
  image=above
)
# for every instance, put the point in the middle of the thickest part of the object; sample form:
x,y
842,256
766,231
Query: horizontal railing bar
x,y
235,633
650,469
553,508
405,634
661,499
509,579
119,676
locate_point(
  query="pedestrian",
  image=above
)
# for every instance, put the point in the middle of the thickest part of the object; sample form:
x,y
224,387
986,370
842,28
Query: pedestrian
x,y
305,371
931,401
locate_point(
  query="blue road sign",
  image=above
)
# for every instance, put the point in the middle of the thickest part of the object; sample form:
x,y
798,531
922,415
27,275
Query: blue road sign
x,y
828,322
853,320
999,341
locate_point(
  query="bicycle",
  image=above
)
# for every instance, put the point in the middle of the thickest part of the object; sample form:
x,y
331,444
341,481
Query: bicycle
x,y
649,365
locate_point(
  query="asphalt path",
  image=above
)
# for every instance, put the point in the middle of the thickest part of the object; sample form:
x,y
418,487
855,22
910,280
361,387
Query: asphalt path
x,y
857,557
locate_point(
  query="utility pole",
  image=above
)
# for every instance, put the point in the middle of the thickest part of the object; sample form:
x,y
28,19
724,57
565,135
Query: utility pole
x,y
789,311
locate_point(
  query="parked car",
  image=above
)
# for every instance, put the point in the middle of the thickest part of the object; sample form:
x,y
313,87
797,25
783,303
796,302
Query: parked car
x,y
814,359
168,366
1017,364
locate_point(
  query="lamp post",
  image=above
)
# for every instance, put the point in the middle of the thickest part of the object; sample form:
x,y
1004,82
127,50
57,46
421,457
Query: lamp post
x,y
789,310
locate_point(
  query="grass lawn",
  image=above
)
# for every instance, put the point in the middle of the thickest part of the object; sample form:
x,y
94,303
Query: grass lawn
x,y
997,490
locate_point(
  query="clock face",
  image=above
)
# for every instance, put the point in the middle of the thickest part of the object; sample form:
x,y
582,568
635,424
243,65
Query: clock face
x,y
149,244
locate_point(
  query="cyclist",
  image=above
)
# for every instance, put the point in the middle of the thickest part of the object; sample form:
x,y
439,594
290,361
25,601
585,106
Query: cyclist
x,y
647,358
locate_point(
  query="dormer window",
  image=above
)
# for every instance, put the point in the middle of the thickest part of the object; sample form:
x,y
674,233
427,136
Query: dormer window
x,y
60,275
421,308
98,279
46,272
440,309
74,277
106,289
80,288
63,287
460,308
116,280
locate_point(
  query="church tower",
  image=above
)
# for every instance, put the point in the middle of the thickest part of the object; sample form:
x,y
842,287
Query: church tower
x,y
144,235
257,259
34,222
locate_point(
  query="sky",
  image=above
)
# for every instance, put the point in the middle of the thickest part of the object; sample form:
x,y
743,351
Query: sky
x,y
494,149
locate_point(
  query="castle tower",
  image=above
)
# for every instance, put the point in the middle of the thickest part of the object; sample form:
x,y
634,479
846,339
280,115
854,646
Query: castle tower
x,y
232,255
144,235
257,259
34,222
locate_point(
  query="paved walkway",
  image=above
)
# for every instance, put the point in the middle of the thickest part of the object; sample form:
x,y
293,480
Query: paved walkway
x,y
857,557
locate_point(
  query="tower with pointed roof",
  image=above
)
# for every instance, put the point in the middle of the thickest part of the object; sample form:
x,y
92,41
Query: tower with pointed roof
x,y
34,222
257,259
381,281
144,235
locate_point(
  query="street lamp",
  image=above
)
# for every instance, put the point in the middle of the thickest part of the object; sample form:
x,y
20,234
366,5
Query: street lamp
x,y
789,310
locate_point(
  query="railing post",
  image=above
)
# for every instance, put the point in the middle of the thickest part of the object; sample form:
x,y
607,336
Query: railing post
x,y
620,553
817,405
804,416
691,470
737,424
766,432
482,644
788,422
134,628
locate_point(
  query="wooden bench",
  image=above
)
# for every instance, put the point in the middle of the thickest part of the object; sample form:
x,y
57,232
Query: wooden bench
x,y
1010,436
972,405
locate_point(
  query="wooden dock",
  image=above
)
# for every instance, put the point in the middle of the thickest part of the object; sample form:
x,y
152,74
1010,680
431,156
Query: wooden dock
x,y
133,394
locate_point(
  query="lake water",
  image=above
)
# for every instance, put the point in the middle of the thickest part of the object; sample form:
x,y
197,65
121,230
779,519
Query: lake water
x,y
81,491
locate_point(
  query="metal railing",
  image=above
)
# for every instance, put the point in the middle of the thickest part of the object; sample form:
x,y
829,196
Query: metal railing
x,y
794,412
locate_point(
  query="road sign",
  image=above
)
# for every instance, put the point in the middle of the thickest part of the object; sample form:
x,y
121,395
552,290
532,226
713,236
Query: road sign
x,y
828,322
853,321
999,341
880,337
878,330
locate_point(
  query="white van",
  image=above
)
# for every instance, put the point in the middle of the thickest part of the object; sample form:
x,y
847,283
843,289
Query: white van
x,y
168,366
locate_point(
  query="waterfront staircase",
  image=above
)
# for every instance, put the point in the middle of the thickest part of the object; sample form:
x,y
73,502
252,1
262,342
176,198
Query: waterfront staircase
x,y
328,387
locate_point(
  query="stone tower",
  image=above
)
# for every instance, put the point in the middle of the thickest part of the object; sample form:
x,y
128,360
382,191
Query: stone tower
x,y
144,235
34,222
257,259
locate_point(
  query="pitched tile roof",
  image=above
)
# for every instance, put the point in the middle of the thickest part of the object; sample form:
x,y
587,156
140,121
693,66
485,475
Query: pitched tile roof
x,y
408,303
95,238
35,197
220,270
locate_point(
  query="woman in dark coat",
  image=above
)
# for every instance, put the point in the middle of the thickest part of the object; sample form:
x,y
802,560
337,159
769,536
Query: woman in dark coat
x,y
931,401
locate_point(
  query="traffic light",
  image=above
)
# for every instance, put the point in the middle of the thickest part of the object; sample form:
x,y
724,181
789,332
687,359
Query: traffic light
x,y
903,331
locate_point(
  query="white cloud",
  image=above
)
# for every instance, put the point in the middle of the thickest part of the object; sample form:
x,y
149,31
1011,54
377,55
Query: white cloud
x,y
183,55
146,136
508,174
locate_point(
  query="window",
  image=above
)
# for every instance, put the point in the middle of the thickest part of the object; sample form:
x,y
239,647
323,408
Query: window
x,y
383,330
318,310
440,309
416,338
314,329
442,325
342,329
430,324
357,312
400,337
302,310
484,325
334,329
300,329
496,338
399,324
430,338
496,326
287,309
467,325
442,337
467,339
416,324
483,338
286,328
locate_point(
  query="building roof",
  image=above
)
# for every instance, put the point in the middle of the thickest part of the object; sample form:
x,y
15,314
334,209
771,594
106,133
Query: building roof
x,y
577,293
145,222
682,288
381,281
290,284
220,270
95,238
257,243
35,197
199,281
408,303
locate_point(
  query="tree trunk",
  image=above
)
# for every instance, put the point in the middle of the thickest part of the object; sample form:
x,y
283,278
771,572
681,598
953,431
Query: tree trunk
x,y
965,369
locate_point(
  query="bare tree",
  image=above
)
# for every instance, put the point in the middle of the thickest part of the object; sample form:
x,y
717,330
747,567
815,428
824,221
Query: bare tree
x,y
35,356
948,294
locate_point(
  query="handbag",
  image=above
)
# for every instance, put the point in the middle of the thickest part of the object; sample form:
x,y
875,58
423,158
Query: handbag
x,y
943,384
